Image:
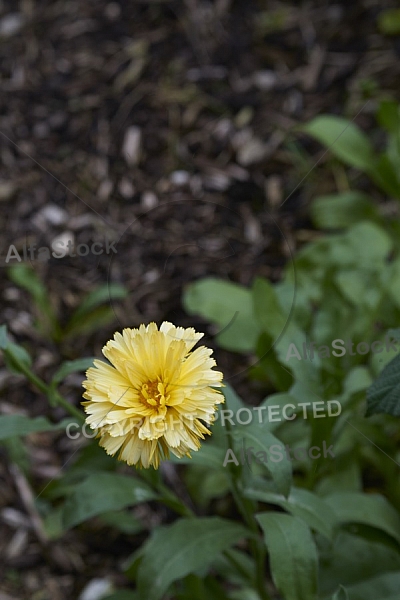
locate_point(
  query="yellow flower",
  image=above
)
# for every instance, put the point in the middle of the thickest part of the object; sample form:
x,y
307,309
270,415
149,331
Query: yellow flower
x,y
156,394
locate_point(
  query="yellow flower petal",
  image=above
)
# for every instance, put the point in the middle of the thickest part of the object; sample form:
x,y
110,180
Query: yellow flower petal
x,y
153,397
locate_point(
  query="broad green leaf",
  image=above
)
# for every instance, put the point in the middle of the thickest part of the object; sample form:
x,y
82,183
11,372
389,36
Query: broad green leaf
x,y
384,587
174,551
344,139
20,425
384,394
267,309
341,594
293,555
122,521
71,366
236,566
385,174
394,333
227,305
214,483
340,211
357,286
368,243
351,560
368,509
102,492
357,380
259,439
301,503
132,563
246,593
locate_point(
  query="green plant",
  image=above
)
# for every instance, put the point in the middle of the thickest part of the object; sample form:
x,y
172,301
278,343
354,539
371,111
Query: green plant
x,y
342,286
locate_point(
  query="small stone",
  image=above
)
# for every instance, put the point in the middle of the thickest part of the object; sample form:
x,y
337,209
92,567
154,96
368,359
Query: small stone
x,y
132,145
125,188
11,24
180,177
105,189
7,190
112,11
41,130
54,214
63,244
265,80
96,590
251,152
149,200
244,117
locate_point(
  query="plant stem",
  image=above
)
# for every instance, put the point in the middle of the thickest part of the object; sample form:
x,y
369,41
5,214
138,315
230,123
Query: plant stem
x,y
75,412
52,395
246,508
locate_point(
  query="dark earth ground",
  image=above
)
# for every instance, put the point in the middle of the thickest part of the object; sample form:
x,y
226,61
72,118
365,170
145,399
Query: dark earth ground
x,y
162,125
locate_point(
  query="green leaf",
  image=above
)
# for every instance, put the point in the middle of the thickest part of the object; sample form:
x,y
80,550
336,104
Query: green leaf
x,y
340,211
122,521
383,395
341,594
174,551
394,333
52,523
368,509
267,308
357,286
301,503
16,358
90,314
385,175
293,555
351,560
261,440
227,305
344,139
209,455
20,425
26,278
71,366
384,587
369,244
389,116
389,21
102,492
100,317
4,341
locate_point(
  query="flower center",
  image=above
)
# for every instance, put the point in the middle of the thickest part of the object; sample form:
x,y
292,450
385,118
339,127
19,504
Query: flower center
x,y
153,394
